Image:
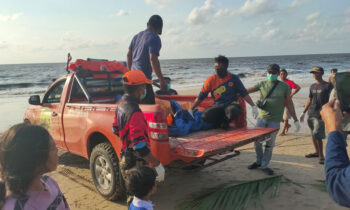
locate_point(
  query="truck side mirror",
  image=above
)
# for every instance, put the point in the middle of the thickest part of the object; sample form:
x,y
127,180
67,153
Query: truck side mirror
x,y
34,100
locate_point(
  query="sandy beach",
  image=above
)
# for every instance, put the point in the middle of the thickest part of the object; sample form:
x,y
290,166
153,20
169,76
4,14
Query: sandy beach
x,y
301,187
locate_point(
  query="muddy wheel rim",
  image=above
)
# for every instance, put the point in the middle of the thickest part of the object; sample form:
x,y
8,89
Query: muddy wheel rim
x,y
103,172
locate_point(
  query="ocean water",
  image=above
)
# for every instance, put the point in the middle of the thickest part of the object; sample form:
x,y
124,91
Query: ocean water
x,y
19,81
27,79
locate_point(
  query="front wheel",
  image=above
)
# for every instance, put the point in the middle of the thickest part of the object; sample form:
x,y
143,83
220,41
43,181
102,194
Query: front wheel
x,y
105,172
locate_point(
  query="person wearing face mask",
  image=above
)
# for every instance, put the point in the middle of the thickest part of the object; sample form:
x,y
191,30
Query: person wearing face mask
x,y
224,88
169,90
131,126
275,94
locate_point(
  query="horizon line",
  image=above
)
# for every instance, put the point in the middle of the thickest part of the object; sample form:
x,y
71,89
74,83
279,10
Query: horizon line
x,y
194,58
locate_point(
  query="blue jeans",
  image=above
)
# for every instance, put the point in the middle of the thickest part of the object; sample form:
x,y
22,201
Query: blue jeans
x,y
263,157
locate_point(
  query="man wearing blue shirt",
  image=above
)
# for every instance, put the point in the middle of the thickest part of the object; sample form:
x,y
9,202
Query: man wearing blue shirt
x,y
144,52
337,164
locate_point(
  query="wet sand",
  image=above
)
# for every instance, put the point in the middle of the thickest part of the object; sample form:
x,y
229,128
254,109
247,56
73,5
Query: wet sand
x,y
300,188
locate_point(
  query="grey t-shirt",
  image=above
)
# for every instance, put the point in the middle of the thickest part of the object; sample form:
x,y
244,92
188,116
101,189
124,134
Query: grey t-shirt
x,y
319,95
141,46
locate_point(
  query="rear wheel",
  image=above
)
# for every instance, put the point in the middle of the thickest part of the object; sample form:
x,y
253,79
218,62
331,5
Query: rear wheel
x,y
105,172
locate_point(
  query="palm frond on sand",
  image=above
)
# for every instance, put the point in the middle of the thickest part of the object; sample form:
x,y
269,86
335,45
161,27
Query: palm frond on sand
x,y
235,195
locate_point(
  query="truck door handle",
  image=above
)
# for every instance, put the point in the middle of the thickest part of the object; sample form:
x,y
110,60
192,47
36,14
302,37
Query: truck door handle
x,y
54,114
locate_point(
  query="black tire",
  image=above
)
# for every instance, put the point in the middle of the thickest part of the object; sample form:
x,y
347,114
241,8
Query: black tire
x,y
107,179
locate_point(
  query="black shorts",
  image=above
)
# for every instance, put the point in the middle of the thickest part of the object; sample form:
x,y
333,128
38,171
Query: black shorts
x,y
220,113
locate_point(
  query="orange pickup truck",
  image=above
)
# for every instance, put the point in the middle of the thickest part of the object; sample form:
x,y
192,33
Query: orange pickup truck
x,y
78,111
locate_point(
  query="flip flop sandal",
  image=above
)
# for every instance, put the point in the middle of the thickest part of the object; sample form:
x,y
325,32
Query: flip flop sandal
x,y
287,128
311,155
321,161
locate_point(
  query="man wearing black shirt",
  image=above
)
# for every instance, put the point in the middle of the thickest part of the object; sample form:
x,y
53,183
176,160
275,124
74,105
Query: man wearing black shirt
x,y
318,96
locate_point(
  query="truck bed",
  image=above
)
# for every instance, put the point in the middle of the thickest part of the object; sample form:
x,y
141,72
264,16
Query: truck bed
x,y
206,143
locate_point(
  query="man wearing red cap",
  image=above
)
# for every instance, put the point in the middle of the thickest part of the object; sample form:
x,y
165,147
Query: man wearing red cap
x,y
144,52
131,126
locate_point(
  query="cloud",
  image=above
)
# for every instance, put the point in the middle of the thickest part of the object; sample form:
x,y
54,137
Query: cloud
x,y
173,31
3,45
313,32
264,32
253,8
207,13
223,13
12,17
73,40
317,31
270,22
160,4
270,34
122,13
347,13
339,33
298,3
313,16
202,14
70,36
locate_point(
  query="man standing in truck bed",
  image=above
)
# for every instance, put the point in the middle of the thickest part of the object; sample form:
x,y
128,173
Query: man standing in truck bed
x,y
144,52
130,125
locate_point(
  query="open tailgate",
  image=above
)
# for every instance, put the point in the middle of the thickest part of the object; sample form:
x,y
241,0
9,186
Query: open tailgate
x,y
207,143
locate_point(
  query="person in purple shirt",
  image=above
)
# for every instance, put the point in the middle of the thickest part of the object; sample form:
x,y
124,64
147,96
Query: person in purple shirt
x,y
144,52
27,153
337,163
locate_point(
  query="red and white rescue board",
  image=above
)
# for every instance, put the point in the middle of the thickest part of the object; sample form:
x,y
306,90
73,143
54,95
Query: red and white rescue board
x,y
211,142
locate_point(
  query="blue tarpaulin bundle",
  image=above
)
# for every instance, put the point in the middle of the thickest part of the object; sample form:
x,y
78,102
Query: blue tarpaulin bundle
x,y
184,122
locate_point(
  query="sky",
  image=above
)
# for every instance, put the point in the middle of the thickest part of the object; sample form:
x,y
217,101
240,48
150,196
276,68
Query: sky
x,y
40,31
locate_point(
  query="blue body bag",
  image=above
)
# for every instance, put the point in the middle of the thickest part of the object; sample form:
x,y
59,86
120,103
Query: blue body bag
x,y
184,123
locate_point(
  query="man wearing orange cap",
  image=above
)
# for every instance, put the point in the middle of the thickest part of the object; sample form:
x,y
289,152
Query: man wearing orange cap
x,y
131,126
